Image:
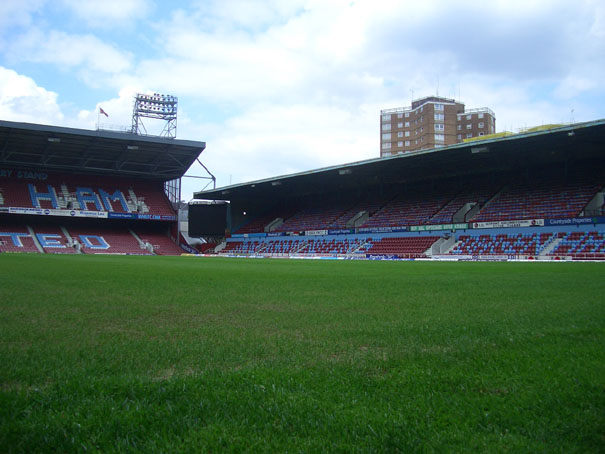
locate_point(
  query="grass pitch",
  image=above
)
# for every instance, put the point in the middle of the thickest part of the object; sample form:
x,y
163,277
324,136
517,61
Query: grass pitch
x,y
175,354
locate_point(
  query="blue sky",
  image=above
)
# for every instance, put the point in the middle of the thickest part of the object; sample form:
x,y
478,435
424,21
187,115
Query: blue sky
x,y
275,87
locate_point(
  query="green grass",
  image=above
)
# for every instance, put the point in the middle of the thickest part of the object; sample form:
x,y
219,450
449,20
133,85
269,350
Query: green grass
x,y
178,354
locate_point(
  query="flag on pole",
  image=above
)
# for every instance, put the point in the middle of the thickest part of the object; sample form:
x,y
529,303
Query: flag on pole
x,y
103,112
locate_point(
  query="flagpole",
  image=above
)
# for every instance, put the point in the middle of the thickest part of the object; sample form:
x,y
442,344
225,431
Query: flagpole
x,y
98,117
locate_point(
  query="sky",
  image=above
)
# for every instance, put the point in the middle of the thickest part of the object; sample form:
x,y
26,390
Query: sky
x,y
281,86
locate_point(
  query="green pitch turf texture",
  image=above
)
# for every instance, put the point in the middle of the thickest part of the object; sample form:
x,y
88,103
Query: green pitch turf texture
x,y
181,354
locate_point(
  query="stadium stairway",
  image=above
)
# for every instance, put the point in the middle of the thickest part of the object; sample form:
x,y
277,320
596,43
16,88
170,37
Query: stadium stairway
x,y
550,246
35,239
142,244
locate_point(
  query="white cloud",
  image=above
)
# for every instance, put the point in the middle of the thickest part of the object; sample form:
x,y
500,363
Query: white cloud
x,y
17,13
68,51
270,141
252,15
313,54
22,100
572,85
107,13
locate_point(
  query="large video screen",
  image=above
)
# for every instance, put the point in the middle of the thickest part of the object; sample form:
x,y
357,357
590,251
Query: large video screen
x,y
207,220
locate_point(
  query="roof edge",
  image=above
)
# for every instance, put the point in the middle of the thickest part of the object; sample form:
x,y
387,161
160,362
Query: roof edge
x,y
100,133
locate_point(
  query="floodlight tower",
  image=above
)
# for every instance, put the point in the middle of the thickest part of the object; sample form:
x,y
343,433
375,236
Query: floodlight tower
x,y
157,107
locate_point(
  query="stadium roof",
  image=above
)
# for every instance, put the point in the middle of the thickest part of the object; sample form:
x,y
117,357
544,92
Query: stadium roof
x,y
33,146
567,144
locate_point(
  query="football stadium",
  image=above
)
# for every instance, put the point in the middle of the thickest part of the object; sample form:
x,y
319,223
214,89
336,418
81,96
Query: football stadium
x,y
119,336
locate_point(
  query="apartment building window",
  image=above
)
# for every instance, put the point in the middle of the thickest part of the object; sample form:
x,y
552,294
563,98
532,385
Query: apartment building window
x,y
386,146
386,117
400,125
459,137
407,115
407,143
439,117
386,127
439,107
400,115
400,134
481,124
480,116
468,117
421,119
481,134
407,133
469,135
407,124
386,136
400,144
439,138
469,126
439,127
459,127
386,153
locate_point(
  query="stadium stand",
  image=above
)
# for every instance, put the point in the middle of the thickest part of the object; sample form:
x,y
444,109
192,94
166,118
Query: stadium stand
x,y
404,247
73,192
206,248
67,190
581,245
107,240
282,247
305,246
503,244
258,224
497,199
472,198
52,239
16,238
504,197
160,242
541,198
239,247
312,219
409,210
144,199
331,246
366,207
